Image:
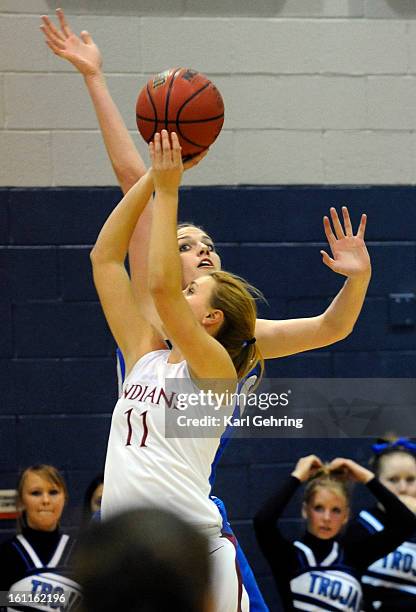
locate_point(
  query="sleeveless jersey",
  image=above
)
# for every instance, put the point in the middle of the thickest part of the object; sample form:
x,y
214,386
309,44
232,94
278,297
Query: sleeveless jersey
x,y
329,585
46,581
257,603
393,576
145,468
244,386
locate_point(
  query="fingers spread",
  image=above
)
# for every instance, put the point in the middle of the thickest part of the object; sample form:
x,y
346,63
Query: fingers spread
x,y
55,44
50,28
347,221
327,260
64,25
337,225
86,37
361,229
328,231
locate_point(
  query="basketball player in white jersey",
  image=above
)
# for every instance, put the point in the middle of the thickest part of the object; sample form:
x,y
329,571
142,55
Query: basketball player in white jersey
x,y
210,326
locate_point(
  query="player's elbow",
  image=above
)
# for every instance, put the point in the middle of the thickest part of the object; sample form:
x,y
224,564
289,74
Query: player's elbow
x,y
338,334
334,329
97,256
94,255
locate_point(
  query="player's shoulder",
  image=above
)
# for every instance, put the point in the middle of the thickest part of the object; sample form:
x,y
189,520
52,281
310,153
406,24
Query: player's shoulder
x,y
150,361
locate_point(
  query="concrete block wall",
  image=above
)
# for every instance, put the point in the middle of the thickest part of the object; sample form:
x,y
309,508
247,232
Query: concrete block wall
x,y
57,369
316,91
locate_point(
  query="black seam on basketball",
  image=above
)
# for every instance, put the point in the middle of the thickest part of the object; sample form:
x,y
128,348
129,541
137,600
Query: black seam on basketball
x,y
196,144
168,96
155,111
187,121
178,121
196,93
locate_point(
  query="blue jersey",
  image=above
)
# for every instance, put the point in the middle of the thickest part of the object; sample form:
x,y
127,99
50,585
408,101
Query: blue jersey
x,y
244,387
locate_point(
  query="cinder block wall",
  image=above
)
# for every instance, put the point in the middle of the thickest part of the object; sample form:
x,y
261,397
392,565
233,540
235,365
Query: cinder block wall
x,y
316,91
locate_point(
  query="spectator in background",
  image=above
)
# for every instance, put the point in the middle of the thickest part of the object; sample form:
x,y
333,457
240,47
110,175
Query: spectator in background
x,y
149,561
92,499
389,584
322,570
36,560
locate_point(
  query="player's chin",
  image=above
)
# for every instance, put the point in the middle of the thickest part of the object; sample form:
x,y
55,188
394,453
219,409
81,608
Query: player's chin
x,y
206,271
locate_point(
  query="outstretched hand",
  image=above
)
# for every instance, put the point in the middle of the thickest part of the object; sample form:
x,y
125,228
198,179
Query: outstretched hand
x,y
167,166
80,51
349,253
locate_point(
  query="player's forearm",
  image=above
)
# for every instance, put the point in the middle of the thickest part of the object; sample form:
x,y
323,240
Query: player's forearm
x,y
341,315
125,159
113,241
165,274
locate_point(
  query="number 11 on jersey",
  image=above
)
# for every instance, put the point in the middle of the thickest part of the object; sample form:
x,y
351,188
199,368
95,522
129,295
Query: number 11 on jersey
x,y
143,415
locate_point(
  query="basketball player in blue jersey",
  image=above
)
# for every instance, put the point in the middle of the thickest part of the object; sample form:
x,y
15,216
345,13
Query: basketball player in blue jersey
x,y
321,571
276,338
389,584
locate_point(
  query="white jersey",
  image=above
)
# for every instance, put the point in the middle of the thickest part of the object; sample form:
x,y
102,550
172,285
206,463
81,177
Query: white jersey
x,y
145,468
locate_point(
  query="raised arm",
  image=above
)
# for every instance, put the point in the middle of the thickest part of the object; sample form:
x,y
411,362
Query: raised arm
x,y
206,357
128,165
85,56
133,334
349,258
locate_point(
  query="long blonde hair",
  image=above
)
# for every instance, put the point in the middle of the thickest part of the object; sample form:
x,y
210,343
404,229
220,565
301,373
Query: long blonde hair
x,y
237,300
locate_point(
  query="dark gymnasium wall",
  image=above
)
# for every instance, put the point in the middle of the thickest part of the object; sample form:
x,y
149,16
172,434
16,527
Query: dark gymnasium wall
x,y
57,374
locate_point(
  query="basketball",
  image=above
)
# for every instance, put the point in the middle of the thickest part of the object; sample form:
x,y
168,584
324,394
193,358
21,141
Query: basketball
x,y
184,101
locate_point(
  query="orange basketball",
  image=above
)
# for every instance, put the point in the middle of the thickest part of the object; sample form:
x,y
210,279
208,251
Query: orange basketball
x,y
184,101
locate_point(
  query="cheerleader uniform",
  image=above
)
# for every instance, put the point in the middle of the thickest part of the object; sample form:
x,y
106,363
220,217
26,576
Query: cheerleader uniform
x,y
389,584
38,563
314,574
